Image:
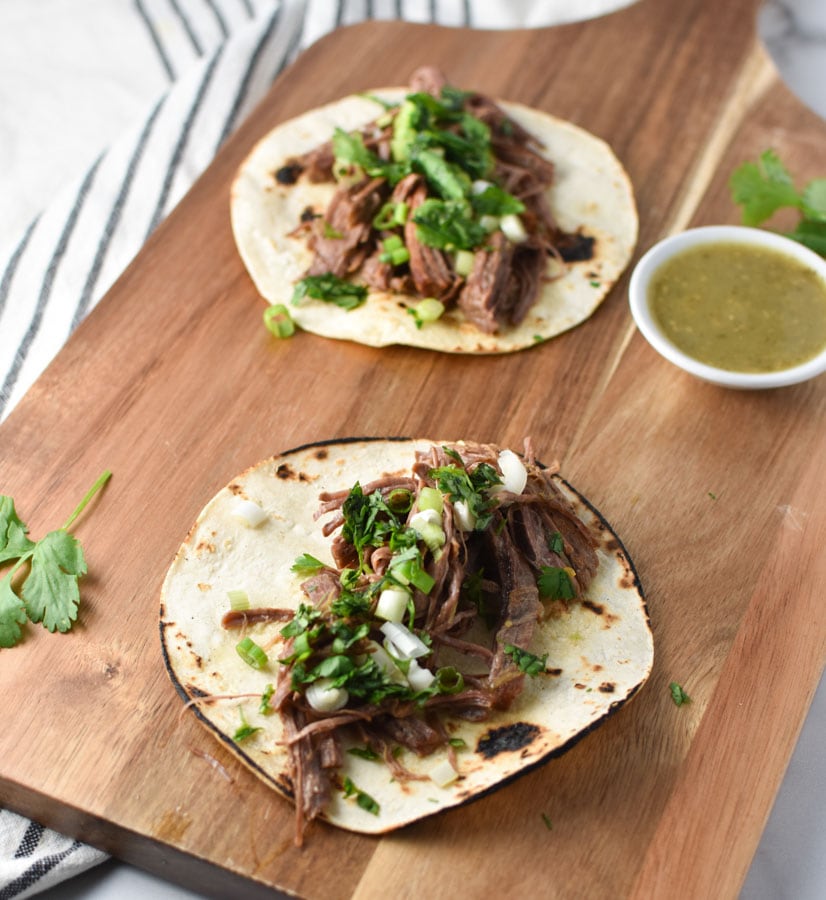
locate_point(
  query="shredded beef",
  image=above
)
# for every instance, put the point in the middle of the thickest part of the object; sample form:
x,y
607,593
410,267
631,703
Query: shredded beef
x,y
487,283
342,239
240,618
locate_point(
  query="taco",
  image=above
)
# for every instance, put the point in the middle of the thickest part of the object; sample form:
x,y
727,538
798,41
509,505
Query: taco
x,y
435,218
384,629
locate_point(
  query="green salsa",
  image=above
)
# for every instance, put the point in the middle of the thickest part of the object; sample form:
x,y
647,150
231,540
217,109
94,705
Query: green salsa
x,y
740,307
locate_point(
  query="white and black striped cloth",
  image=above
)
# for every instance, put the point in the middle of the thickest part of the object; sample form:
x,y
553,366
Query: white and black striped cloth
x,y
205,63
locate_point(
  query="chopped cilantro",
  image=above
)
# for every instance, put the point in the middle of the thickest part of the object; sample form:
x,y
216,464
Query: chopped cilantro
x,y
264,707
546,819
331,289
364,800
448,225
556,543
366,752
244,730
678,695
527,662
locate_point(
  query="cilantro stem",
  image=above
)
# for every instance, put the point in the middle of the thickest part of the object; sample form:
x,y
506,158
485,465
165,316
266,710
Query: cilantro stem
x,y
84,502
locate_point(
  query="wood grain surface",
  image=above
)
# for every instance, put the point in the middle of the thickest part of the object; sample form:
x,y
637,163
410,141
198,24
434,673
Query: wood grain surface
x,y
174,384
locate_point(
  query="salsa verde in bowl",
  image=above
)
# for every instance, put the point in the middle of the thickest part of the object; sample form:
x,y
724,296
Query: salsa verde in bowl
x,y
740,307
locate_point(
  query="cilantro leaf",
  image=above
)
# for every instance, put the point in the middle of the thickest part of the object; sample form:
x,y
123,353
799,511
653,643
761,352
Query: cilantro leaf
x,y
12,613
364,800
51,593
556,543
762,188
555,583
13,540
306,565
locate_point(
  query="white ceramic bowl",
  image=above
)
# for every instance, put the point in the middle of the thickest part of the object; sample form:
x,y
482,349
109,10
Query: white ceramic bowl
x,y
665,249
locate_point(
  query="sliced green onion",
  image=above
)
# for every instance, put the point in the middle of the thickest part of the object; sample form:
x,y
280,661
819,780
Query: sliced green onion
x,y
400,213
238,600
248,512
443,774
395,257
392,604
391,215
407,644
400,500
513,228
324,697
411,572
278,321
430,498
450,680
427,310
251,653
394,242
419,677
463,262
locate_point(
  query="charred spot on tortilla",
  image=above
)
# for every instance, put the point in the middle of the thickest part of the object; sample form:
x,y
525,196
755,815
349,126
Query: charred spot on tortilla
x,y
472,695
508,234
288,174
593,607
507,739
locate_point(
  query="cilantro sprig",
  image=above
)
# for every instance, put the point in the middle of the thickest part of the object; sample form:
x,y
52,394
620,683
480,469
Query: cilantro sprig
x,y
49,591
762,188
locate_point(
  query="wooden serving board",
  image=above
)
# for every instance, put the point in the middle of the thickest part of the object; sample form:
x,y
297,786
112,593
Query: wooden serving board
x,y
175,385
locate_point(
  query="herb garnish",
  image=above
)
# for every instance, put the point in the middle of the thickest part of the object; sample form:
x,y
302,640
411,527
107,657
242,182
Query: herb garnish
x,y
264,707
765,186
306,565
365,752
678,695
331,289
244,730
49,593
529,663
555,583
364,800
